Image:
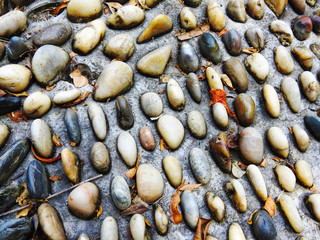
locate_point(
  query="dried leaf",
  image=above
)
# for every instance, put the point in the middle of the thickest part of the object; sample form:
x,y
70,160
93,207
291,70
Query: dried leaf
x,y
270,206
106,10
180,70
132,172
182,2
147,222
17,116
164,79
161,92
73,109
161,144
24,212
133,2
57,9
290,129
183,35
48,160
250,50
56,140
24,197
81,98
264,163
176,216
50,88
201,77
99,212
190,187
232,141
2,93
135,208
280,160
55,178
242,165
78,79
72,54
205,232
114,6
222,32
313,188
251,216
204,68
23,94
199,231
226,81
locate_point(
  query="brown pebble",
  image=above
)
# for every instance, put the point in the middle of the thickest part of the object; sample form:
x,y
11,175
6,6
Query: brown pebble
x,y
146,138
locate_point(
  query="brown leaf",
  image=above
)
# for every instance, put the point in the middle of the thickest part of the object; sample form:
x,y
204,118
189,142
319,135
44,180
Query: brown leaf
x,y
264,163
190,187
161,92
147,222
129,233
226,81
201,77
55,178
199,231
182,2
24,212
72,54
290,129
57,9
24,197
56,140
183,35
270,206
180,70
50,88
2,93
222,32
278,159
17,116
135,208
78,79
251,216
164,79
242,165
313,188
47,160
114,6
232,141
99,212
176,216
81,98
106,10
132,172
161,144
73,144
250,50
23,94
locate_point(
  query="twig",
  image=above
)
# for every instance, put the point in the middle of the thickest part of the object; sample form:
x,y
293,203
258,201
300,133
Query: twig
x,y
51,196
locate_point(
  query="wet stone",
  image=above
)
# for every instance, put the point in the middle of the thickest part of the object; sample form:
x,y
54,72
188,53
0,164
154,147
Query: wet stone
x,y
233,42
100,158
124,113
313,125
13,22
200,165
72,125
245,109
147,139
151,104
55,34
220,116
282,31
120,47
209,48
188,59
299,6
194,88
120,193
197,124
283,60
277,6
309,85
37,180
17,49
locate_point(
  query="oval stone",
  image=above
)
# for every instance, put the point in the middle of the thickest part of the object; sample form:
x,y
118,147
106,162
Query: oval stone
x,y
8,196
258,67
236,11
251,145
151,104
100,158
187,19
313,203
256,9
282,31
283,60
290,210
126,17
278,142
175,95
271,100
120,193
301,137
66,96
190,209
209,48
147,139
37,180
4,134
220,116
127,148
245,109
9,104
188,59
197,124
55,34
302,27
161,220
80,11
120,47
304,173
257,181
73,127
262,225
14,77
193,86
214,79
98,120
215,16
12,22
235,232
291,93
36,105
138,227
237,74
71,165
109,229
313,125
232,42
124,113
200,165
173,170
42,138
286,178
255,38
309,85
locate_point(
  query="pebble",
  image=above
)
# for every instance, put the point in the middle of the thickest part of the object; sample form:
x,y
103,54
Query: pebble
x,y
149,182
302,27
154,63
50,222
173,170
271,100
188,59
200,165
258,66
213,78
37,180
83,236
175,95
313,125
66,96
311,3
220,152
209,237
84,200
120,47
216,16
286,178
17,49
49,64
115,79
73,127
159,25
98,120
236,10
172,130
147,139
14,77
236,232
16,228
313,205
278,142
193,86
216,207
277,6
161,220
192,3
127,148
152,3
291,212
301,137
8,196
187,19
100,158
309,85
197,124
190,209
209,48
89,37
220,116
304,173
127,17
109,229
262,225
237,74
80,11
256,38
138,227
71,165
42,138
256,9
120,193
125,116
9,104
55,34
245,109
304,56
232,42
315,23
251,145
237,195
291,93
36,105
4,134
12,158
299,6
151,104
257,181
283,60
282,31
13,22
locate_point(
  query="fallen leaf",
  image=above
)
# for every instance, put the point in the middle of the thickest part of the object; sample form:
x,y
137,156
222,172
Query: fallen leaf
x,y
176,216
133,2
147,222
48,160
132,172
57,9
290,129
129,233
204,68
78,79
182,2
190,187
270,206
184,35
226,81
180,70
201,77
161,92
161,144
135,208
164,79
222,32
81,98
23,94
313,188
50,88
24,212
250,50
73,109
199,230
106,10
264,163
56,140
278,159
205,232
114,6
251,216
24,197
232,141
2,93
17,116
72,54
99,212
55,178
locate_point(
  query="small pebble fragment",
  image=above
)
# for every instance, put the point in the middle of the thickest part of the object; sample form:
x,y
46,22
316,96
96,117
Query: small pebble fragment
x,y
245,109
283,60
173,170
309,85
55,34
192,3
209,237
232,42
215,16
98,120
151,104
150,184
301,137
278,142
188,59
83,236
282,31
109,229
209,48
124,113
200,165
236,232
197,124
299,6
304,57
255,37
80,11
13,22
187,19
194,87
213,78
126,17
313,125
313,205
302,27
251,145
236,72
41,137
277,6
271,100
71,165
36,105
304,173
291,93
237,195
190,209
120,193
161,220
4,135
220,152
66,96
216,206
17,49
83,200
220,116
152,3
262,225
8,196
73,127
159,25
37,180
256,9
14,77
138,227
100,158
258,66
286,178
236,10
120,47
257,181
16,228
127,148
147,139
